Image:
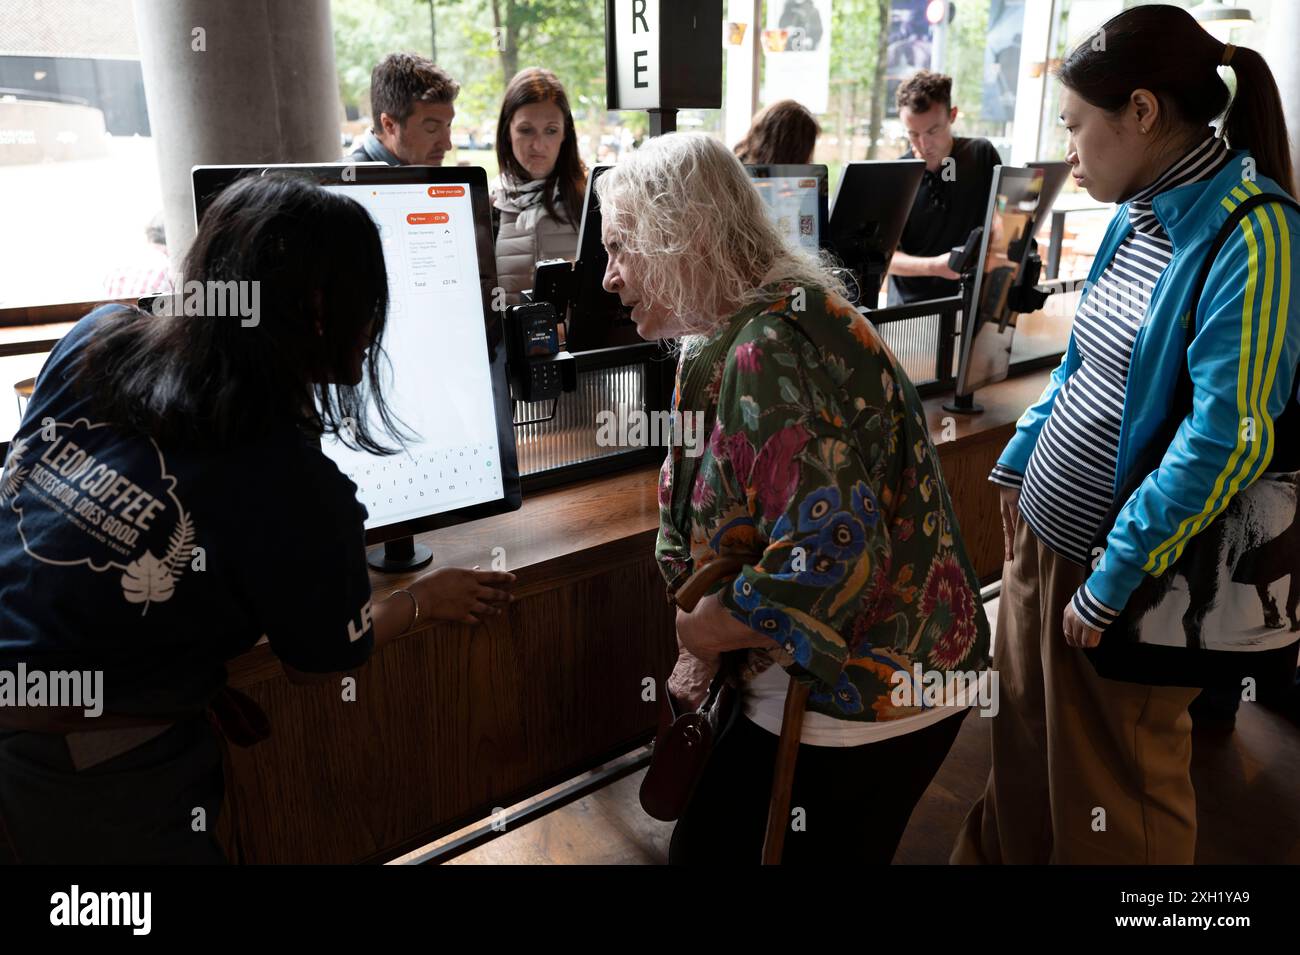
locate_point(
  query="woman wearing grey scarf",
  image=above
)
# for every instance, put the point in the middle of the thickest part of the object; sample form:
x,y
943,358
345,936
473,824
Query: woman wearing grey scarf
x,y
539,192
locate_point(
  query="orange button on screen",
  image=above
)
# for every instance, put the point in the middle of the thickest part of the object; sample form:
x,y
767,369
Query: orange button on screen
x,y
446,192
427,218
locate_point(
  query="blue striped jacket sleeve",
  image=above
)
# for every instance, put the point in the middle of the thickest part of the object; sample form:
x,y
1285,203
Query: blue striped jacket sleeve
x,y
1242,362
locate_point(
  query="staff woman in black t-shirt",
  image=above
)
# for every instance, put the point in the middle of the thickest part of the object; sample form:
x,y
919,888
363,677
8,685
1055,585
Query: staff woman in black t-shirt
x,y
165,503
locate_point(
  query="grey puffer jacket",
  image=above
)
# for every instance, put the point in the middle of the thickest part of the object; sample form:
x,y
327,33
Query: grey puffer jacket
x,y
519,249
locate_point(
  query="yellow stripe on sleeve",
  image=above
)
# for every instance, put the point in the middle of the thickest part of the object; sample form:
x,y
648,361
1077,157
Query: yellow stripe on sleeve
x,y
1159,559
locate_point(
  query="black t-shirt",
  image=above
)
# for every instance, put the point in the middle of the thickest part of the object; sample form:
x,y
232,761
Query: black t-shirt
x,y
945,211
156,565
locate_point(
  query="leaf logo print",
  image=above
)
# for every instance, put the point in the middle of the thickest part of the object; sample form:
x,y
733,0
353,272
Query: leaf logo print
x,y
14,472
150,580
147,580
180,544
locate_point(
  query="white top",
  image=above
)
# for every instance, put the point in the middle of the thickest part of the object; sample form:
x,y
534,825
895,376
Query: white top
x,y
764,698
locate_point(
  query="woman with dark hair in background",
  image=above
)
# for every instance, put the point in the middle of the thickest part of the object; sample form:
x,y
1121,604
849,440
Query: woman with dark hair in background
x,y
1088,769
166,503
785,132
538,195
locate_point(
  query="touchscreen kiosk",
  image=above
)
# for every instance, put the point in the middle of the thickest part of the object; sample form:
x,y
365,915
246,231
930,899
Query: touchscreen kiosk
x,y
989,319
872,202
795,197
445,378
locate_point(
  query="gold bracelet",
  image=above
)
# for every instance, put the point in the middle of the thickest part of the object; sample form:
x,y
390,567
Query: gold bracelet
x,y
414,619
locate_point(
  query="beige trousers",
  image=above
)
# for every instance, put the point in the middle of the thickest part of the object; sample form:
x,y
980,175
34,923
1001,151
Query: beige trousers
x,y
1085,770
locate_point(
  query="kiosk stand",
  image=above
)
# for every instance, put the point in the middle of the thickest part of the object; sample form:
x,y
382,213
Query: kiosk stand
x,y
1000,282
399,555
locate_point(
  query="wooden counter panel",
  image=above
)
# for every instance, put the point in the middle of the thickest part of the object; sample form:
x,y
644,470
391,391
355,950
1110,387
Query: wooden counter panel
x,y
1003,405
454,722
975,501
968,447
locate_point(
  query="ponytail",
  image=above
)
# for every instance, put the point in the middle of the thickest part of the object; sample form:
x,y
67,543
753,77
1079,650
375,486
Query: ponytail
x,y
1255,120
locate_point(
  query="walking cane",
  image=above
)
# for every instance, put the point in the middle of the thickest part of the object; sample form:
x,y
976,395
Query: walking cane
x,y
728,564
787,751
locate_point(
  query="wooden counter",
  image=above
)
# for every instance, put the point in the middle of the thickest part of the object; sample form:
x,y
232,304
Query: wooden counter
x,y
968,456
452,723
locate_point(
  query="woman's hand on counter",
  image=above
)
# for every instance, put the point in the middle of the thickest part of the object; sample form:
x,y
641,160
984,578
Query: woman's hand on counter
x,y
448,593
461,595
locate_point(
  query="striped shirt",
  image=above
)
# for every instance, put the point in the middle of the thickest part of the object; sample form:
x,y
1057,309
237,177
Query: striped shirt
x,y
1069,482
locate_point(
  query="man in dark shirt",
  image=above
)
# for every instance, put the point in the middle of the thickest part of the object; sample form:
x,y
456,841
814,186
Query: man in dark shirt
x,y
412,102
954,193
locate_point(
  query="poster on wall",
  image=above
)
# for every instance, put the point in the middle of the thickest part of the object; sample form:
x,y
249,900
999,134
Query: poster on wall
x,y
910,47
797,48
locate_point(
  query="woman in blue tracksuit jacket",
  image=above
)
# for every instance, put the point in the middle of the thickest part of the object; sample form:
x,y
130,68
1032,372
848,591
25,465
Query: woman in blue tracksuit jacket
x,y
1087,769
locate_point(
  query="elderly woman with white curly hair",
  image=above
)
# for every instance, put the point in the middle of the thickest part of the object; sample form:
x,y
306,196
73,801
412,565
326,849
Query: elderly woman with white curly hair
x,y
819,464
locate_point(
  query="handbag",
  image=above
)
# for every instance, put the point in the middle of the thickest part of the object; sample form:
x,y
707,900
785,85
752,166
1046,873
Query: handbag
x,y
1209,620
685,739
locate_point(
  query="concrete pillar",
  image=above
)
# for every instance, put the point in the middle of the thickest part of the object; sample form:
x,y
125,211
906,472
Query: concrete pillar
x,y
240,81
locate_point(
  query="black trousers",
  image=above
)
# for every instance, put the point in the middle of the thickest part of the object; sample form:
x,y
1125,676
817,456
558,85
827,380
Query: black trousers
x,y
136,808
856,800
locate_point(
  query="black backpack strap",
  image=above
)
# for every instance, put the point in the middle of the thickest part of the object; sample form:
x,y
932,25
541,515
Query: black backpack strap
x,y
1183,390
1229,226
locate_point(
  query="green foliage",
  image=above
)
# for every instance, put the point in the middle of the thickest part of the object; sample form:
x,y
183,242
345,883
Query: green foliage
x,y
480,42
365,31
855,26
967,37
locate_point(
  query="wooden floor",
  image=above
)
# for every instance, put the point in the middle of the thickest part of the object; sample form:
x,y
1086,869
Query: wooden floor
x,y
1247,787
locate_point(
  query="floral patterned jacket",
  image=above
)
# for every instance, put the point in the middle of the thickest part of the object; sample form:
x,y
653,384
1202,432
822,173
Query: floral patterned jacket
x,y
863,572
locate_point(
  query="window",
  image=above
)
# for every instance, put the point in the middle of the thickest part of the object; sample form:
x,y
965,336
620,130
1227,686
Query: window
x,y
77,166
979,47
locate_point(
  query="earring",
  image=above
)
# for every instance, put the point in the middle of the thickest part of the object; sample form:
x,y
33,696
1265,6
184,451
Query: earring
x,y
1143,129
